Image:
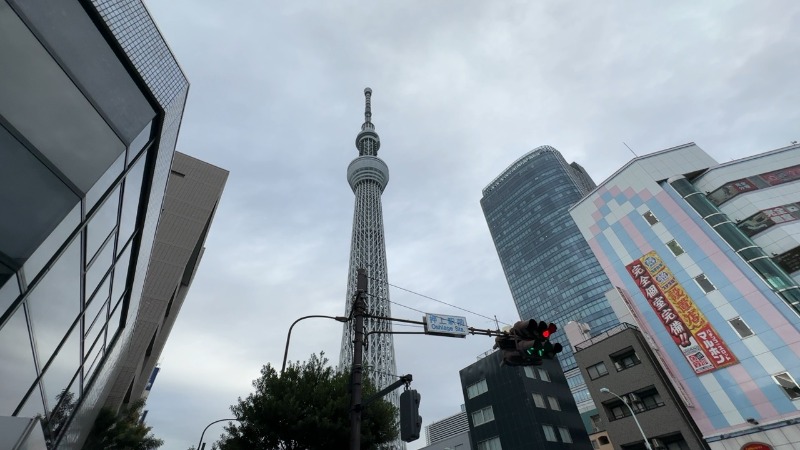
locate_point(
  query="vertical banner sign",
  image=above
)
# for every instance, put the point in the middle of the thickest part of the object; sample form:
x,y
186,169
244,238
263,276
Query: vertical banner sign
x,y
701,345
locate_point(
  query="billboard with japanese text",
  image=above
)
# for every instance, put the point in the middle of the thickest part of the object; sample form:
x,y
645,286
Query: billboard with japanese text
x,y
760,181
690,330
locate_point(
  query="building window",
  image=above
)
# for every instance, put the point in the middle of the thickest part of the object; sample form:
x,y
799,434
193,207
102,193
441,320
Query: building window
x,y
645,399
788,384
582,395
554,403
597,424
565,436
625,360
704,284
529,372
549,433
675,248
617,411
597,370
650,218
538,400
543,375
490,444
741,327
477,389
482,416
640,401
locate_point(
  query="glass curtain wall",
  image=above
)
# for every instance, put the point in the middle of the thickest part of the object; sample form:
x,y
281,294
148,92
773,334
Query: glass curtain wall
x,y
72,176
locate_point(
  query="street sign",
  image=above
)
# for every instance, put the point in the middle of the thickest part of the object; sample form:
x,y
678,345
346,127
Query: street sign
x,y
455,326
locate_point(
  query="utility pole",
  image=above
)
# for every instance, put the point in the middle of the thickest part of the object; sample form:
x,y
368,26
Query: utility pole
x,y
359,310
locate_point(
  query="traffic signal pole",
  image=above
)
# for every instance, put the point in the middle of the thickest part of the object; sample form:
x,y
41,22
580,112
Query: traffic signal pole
x,y
405,380
356,373
525,344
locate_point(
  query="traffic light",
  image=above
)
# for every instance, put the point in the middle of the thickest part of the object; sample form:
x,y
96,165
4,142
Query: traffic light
x,y
505,342
547,349
410,420
527,343
525,329
528,352
546,330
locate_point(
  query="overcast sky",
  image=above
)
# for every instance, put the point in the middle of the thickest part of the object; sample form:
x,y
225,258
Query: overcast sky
x,y
461,89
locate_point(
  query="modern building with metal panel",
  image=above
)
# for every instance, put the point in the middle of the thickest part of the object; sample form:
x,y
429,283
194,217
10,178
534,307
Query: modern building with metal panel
x,y
703,253
447,427
458,441
621,360
193,193
91,101
368,176
551,271
516,408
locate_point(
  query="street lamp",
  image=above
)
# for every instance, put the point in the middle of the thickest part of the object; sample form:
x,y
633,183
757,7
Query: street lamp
x,y
646,443
206,428
289,334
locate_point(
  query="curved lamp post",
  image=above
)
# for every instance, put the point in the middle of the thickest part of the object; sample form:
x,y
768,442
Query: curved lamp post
x,y
646,443
289,335
212,423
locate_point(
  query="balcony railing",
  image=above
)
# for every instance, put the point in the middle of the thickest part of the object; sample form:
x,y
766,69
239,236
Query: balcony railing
x,y
616,329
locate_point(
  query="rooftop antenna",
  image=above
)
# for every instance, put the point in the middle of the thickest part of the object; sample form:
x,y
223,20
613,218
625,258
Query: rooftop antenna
x,y
626,145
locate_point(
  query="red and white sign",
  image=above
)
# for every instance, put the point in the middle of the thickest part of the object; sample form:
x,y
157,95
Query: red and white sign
x,y
692,333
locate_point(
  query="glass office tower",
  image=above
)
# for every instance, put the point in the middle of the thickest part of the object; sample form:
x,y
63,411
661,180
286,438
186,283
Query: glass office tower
x,y
551,271
91,101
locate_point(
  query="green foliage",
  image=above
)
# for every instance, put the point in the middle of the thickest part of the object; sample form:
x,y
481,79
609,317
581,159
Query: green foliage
x,y
65,404
121,431
307,408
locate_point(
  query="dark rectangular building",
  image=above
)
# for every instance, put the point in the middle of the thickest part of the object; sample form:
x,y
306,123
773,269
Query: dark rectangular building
x,y
621,361
512,408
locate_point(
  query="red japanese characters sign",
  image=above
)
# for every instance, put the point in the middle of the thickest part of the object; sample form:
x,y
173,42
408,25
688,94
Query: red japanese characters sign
x,y
781,176
701,345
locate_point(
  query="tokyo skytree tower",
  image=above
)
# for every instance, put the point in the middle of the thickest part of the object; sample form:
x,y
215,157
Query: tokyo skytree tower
x,y
368,176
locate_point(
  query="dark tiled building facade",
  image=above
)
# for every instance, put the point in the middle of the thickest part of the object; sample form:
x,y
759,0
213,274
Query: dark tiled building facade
x,y
516,408
621,360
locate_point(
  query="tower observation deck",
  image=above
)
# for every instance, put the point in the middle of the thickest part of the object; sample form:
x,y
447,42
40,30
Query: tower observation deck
x,y
368,176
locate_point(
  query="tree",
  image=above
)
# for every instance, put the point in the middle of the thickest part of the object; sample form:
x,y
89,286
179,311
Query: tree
x,y
306,408
121,431
65,404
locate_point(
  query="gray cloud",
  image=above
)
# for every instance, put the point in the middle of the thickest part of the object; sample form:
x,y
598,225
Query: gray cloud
x,y
461,90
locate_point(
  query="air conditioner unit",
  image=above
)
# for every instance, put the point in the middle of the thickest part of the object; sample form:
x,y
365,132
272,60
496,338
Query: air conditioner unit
x,y
633,398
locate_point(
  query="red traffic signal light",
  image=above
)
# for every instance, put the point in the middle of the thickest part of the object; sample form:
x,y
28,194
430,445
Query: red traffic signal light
x,y
527,342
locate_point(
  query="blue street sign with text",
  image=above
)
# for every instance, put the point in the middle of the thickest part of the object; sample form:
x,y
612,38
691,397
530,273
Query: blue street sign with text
x,y
441,325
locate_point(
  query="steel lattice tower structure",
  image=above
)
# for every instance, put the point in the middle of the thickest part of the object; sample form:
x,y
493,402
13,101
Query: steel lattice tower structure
x,y
368,176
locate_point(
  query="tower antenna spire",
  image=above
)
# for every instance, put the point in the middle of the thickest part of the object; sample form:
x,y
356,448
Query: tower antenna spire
x,y
367,107
367,141
368,176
